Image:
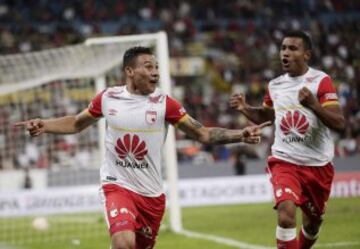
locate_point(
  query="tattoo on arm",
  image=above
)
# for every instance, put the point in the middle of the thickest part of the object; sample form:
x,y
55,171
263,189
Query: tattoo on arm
x,y
191,127
218,135
196,123
224,136
214,135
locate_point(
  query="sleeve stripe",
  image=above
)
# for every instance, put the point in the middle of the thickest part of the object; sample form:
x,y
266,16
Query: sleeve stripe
x,y
182,119
328,103
94,115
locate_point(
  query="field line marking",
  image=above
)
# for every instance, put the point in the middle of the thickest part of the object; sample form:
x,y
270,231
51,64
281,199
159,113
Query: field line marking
x,y
337,244
243,245
222,240
3,246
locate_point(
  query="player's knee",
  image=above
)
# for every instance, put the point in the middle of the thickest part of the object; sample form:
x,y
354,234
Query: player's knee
x,y
123,241
287,215
286,221
312,228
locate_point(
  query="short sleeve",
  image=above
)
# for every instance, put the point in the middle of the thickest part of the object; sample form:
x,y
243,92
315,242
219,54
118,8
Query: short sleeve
x,y
327,93
174,110
267,101
95,105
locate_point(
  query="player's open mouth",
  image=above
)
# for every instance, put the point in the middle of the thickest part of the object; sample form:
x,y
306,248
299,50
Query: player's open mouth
x,y
153,81
285,62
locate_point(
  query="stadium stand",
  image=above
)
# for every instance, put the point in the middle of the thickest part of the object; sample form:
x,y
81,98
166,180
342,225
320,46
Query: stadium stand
x,y
236,40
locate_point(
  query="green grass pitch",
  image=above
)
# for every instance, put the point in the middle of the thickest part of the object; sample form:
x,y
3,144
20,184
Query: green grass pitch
x,y
250,223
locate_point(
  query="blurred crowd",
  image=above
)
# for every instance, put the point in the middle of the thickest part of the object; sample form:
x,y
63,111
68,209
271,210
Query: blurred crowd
x,y
238,40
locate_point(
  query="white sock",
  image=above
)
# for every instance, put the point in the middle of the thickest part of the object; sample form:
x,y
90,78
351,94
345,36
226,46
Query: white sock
x,y
285,234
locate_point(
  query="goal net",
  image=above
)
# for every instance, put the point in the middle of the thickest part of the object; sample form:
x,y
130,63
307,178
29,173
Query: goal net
x,y
49,184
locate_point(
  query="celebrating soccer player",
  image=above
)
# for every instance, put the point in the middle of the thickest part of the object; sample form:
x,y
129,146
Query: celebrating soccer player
x,y
304,105
137,115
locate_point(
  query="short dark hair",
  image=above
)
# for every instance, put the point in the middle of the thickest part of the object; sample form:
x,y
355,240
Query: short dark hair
x,y
132,53
302,35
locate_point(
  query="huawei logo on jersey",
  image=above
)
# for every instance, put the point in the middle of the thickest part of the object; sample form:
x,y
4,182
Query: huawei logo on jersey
x,y
131,146
294,122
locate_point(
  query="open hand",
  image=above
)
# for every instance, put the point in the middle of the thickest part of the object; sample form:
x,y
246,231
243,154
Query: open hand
x,y
35,127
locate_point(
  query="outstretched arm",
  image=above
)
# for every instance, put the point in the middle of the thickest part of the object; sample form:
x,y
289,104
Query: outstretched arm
x,y
257,115
217,135
62,125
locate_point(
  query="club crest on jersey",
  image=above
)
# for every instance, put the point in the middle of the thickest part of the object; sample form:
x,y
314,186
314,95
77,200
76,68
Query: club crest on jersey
x,y
150,117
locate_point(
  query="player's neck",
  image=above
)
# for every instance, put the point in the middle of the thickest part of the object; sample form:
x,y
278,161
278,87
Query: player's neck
x,y
300,72
130,89
133,91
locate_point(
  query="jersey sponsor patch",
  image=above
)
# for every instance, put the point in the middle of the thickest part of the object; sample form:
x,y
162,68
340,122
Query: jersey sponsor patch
x,y
294,122
330,96
131,146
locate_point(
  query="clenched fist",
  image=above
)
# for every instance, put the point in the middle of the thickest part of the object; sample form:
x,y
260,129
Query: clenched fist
x,y
238,102
307,99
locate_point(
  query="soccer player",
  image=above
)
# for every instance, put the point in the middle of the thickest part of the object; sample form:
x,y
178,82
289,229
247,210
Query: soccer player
x,y
137,115
304,104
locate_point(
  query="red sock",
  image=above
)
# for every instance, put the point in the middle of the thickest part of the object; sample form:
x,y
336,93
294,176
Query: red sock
x,y
286,238
306,240
290,244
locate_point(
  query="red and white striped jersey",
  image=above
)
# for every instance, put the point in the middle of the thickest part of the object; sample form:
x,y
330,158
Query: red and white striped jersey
x,y
135,134
300,137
